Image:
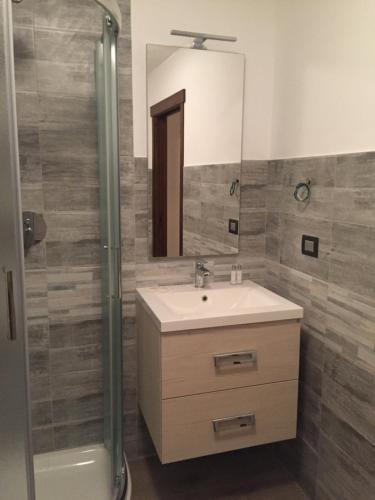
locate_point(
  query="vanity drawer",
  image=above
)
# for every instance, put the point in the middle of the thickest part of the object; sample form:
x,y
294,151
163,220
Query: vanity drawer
x,y
224,358
215,422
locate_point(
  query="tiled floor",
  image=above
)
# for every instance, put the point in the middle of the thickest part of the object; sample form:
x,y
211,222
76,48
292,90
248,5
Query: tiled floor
x,y
252,474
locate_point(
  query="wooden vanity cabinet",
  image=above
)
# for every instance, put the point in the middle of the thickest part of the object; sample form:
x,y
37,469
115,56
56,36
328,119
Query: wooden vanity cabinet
x,y
211,390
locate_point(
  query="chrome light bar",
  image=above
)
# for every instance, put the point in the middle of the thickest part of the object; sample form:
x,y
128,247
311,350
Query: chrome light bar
x,y
200,38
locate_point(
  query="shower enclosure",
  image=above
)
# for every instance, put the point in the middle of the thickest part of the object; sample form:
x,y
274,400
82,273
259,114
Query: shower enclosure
x,y
17,481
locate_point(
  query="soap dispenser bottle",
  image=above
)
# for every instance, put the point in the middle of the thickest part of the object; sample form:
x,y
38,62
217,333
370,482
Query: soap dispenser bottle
x,y
233,275
239,274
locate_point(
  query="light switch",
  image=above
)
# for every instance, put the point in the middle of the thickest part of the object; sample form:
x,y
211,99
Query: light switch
x,y
233,226
310,246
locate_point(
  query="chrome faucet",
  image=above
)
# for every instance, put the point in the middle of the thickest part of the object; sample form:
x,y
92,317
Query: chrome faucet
x,y
201,272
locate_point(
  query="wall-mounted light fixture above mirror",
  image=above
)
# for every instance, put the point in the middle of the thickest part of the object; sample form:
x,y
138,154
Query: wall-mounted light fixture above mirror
x,y
195,109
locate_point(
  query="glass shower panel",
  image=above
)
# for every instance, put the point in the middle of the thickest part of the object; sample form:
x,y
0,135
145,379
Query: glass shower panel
x,y
108,143
16,466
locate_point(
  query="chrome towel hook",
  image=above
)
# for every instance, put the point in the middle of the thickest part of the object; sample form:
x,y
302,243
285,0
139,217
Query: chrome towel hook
x,y
302,191
234,186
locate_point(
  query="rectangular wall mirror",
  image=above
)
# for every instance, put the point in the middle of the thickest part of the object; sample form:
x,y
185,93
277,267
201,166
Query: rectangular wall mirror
x,y
194,109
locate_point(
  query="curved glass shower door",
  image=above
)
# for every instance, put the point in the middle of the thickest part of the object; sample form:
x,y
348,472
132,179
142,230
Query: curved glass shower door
x,y
108,142
16,466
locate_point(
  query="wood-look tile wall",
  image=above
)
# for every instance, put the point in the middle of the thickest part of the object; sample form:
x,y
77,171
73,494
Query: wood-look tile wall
x,y
56,102
207,208
252,241
334,455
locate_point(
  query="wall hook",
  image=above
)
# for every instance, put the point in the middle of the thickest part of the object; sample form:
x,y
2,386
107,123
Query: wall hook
x,y
302,191
233,188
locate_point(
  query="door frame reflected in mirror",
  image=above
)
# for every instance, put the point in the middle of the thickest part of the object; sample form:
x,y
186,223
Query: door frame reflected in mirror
x,y
162,113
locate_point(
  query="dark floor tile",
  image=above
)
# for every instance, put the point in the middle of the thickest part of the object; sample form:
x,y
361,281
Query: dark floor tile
x,y
252,474
302,461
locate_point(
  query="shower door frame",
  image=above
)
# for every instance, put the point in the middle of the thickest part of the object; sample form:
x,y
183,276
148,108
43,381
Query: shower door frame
x,y
16,462
110,235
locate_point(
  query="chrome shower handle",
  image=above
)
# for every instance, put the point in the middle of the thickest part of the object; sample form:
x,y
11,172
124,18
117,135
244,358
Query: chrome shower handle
x,y
28,233
10,308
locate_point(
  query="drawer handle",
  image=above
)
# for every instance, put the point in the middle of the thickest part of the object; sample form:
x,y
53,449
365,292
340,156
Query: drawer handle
x,y
238,422
235,358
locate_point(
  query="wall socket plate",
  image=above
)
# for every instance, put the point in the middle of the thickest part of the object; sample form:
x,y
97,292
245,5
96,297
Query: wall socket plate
x,y
233,226
310,246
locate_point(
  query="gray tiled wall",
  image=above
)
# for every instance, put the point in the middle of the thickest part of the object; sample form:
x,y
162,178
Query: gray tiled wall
x,y
208,206
334,455
56,102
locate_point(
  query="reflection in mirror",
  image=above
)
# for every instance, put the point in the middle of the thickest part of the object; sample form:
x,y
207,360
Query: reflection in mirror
x,y
195,106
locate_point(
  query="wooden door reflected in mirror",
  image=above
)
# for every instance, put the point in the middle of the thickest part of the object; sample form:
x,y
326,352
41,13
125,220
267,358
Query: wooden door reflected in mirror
x,y
167,175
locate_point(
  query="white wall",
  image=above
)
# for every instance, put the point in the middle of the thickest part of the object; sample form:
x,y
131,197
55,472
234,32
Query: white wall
x,y
324,89
214,101
250,20
310,69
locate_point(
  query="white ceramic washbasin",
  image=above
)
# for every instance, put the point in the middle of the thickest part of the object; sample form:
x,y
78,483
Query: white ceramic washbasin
x,y
186,307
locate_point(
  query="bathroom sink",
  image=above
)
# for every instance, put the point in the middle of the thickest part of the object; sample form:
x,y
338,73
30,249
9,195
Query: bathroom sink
x,y
185,307
215,300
